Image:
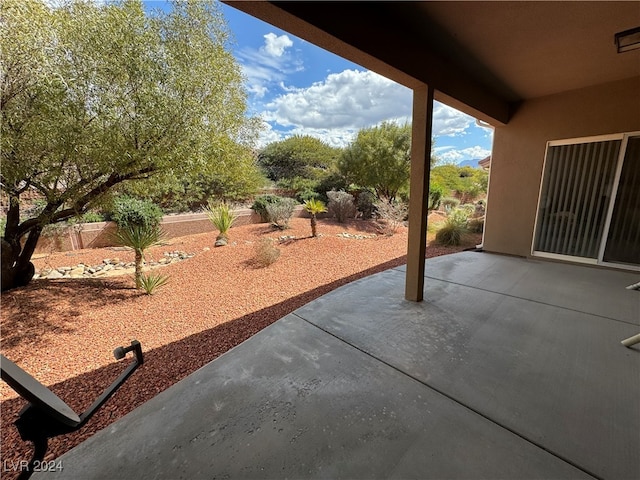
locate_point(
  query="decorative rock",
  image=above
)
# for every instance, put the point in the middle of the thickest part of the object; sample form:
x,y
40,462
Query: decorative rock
x,y
82,270
206,249
220,243
76,272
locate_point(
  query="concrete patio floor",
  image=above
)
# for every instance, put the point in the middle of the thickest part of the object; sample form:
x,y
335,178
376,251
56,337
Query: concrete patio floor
x,y
510,368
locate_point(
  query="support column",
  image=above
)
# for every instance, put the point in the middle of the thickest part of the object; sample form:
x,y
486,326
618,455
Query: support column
x,y
419,191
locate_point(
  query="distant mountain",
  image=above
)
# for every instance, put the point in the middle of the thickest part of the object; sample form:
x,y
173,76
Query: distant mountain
x,y
470,163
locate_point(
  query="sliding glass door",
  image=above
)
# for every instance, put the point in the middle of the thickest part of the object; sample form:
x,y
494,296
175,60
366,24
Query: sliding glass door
x,y
589,206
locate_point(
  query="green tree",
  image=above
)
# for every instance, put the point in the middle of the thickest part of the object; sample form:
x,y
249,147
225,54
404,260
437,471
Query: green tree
x,y
298,156
380,159
94,95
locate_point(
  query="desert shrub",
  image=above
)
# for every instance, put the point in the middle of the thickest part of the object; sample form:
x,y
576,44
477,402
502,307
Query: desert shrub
x,y
436,192
366,204
91,217
468,209
129,211
151,282
449,203
453,229
392,213
476,225
260,205
280,213
222,218
341,205
266,253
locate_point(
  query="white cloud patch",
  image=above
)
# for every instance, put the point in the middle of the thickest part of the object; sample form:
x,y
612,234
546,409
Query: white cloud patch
x,y
337,107
344,102
453,155
448,121
268,65
275,45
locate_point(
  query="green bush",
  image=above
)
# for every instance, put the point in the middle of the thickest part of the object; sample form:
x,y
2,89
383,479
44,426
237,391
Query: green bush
x,y
3,224
280,213
129,211
453,229
366,204
91,217
260,205
436,192
449,203
341,205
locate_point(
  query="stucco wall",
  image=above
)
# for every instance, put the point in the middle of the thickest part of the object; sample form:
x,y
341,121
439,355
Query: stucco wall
x,y
519,149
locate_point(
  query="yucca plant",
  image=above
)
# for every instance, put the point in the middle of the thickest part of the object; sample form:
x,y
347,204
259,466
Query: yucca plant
x,y
314,207
139,238
150,283
223,218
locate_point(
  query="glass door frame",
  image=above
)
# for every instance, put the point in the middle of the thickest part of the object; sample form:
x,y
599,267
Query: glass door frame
x,y
624,138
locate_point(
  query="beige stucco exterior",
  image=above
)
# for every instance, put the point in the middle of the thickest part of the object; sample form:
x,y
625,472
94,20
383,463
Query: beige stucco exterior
x,y
519,150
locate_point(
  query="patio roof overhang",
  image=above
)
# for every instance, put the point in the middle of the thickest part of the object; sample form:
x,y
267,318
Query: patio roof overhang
x,y
483,58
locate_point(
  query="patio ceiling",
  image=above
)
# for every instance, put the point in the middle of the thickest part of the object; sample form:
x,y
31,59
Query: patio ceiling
x,y
481,57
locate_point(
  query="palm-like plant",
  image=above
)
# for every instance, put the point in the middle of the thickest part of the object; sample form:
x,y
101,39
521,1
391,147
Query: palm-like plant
x,y
139,238
222,218
314,206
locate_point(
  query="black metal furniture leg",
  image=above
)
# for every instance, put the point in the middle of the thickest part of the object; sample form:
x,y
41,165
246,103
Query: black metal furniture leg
x,y
39,450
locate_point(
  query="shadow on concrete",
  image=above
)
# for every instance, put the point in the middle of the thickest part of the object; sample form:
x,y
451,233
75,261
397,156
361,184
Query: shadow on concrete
x,y
162,366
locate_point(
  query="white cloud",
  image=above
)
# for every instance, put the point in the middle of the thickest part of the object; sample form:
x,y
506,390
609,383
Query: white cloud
x,y
337,107
349,100
275,45
450,154
268,65
449,121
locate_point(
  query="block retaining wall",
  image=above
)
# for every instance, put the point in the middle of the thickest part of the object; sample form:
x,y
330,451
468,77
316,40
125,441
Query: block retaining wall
x,y
99,234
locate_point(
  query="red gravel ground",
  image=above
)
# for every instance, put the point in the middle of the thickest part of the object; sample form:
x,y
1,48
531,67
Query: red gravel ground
x,y
63,331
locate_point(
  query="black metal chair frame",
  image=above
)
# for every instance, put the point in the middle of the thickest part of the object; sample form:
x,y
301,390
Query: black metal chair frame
x,y
46,415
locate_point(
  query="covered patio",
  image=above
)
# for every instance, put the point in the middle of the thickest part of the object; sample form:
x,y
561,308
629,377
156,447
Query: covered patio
x,y
509,368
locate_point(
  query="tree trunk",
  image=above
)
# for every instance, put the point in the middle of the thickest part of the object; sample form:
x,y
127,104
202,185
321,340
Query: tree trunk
x,y
138,273
16,267
314,232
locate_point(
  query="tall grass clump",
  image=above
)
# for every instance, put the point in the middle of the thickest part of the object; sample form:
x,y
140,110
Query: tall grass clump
x,y
150,283
266,253
453,229
222,218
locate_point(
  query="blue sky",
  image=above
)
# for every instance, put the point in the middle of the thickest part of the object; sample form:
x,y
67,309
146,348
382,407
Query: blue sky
x,y
298,88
